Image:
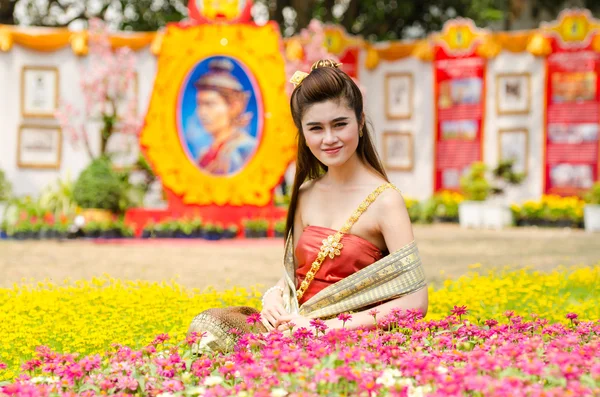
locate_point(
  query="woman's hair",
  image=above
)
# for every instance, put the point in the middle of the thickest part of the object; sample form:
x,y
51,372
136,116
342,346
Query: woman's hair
x,y
326,82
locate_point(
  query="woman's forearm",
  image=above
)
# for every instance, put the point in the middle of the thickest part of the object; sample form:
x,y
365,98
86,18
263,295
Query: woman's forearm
x,y
416,300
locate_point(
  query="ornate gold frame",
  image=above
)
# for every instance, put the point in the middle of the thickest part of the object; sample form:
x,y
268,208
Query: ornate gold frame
x,y
523,130
388,77
501,112
390,134
22,164
24,70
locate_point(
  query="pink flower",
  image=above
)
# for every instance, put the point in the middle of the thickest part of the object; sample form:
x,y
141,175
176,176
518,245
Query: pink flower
x,y
173,385
491,322
253,319
459,310
509,313
571,316
160,339
344,317
318,324
2,366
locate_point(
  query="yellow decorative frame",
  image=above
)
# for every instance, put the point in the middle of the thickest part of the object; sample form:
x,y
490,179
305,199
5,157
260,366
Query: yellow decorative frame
x,y
54,165
259,49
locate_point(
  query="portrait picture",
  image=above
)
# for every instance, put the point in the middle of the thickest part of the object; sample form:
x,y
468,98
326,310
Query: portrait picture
x,y
39,147
398,96
220,115
513,145
39,91
398,151
458,92
513,93
459,129
123,149
573,86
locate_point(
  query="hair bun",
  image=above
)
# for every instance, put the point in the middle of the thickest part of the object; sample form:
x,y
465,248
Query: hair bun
x,y
326,63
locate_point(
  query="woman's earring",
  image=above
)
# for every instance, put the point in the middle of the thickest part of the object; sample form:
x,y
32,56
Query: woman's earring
x,y
360,133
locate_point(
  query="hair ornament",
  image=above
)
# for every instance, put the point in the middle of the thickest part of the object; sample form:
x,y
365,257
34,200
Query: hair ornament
x,y
299,76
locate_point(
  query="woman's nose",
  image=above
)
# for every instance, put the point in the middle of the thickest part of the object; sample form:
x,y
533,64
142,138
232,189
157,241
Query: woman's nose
x,y
329,136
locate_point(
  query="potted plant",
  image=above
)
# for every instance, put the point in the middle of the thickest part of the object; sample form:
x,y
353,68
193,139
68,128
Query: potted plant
x,y
99,191
212,231
231,231
477,210
591,211
279,228
476,189
61,229
92,229
196,226
149,230
124,230
446,208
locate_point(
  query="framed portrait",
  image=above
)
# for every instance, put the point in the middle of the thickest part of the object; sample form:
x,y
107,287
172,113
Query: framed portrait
x,y
398,151
513,144
220,91
513,93
398,96
123,150
39,91
39,146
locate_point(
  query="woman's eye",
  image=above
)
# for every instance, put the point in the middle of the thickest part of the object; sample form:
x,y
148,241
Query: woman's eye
x,y
339,125
315,129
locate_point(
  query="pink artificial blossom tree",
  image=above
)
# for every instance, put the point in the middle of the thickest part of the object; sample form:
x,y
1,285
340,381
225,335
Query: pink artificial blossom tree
x,y
106,81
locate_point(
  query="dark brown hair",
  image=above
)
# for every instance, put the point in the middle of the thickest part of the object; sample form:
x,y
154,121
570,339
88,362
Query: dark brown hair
x,y
326,83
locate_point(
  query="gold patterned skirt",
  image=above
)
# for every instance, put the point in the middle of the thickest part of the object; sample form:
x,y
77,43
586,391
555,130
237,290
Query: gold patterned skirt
x,y
216,326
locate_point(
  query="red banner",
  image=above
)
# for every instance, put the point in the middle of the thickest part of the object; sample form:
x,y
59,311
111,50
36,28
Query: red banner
x,y
460,101
572,106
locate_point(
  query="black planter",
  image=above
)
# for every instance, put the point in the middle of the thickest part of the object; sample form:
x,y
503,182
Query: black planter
x,y
212,235
228,234
146,234
445,219
279,234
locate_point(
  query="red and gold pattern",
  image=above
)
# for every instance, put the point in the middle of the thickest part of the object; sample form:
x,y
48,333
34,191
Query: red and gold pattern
x,y
258,49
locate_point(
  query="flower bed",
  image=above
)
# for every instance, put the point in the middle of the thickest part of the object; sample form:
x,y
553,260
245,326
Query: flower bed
x,y
520,332
551,211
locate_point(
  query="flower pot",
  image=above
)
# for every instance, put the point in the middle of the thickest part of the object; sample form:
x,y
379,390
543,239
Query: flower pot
x,y
591,217
228,234
470,214
496,216
3,235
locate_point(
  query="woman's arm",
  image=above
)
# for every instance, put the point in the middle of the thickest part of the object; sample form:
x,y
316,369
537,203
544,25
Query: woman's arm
x,y
396,228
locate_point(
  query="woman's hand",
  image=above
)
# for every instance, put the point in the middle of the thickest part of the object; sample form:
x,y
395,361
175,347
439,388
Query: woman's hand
x,y
273,308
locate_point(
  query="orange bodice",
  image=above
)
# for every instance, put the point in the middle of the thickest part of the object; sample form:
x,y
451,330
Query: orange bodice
x,y
357,254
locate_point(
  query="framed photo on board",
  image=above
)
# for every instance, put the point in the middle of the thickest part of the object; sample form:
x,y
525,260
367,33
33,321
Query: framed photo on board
x,y
513,93
39,91
513,144
39,146
398,151
398,96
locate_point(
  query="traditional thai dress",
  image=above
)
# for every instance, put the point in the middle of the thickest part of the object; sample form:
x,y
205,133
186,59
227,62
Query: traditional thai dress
x,y
331,272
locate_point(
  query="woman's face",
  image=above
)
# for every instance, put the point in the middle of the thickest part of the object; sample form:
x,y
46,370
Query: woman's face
x,y
213,111
331,132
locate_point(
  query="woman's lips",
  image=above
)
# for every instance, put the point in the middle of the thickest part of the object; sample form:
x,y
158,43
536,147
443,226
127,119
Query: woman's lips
x,y
332,150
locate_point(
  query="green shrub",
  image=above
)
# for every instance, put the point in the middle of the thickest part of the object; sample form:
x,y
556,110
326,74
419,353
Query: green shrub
x,y
100,187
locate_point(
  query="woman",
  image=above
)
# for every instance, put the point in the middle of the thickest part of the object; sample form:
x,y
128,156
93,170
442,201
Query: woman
x,y
221,109
332,267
